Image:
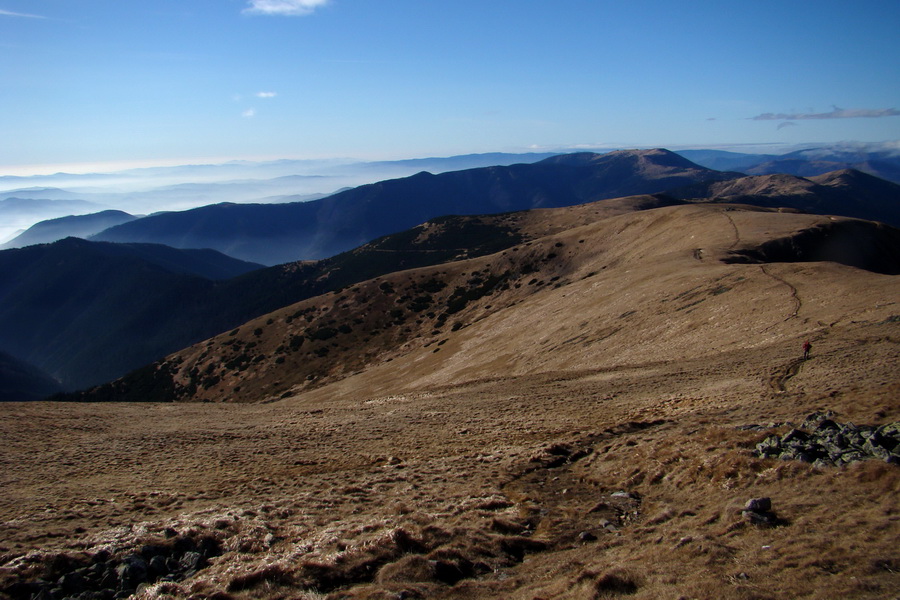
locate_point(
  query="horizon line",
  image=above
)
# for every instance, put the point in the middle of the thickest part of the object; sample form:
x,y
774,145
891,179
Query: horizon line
x,y
108,167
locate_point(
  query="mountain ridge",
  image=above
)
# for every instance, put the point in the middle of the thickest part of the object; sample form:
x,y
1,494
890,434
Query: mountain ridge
x,y
81,226
275,234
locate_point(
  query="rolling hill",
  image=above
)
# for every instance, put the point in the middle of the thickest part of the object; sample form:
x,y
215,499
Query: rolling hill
x,y
187,307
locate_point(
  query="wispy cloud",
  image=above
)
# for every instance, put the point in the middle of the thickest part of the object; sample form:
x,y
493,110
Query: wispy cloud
x,y
266,94
837,113
249,113
292,8
9,13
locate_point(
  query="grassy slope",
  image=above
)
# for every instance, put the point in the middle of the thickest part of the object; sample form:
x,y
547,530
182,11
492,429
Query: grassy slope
x,y
472,463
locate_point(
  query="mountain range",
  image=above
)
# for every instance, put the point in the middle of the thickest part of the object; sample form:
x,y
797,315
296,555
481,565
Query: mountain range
x,y
879,160
179,188
273,234
80,309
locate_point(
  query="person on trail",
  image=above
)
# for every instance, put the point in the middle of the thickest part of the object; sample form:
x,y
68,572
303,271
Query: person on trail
x,y
806,348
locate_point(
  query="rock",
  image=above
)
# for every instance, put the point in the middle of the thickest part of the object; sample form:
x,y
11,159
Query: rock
x,y
759,504
851,456
758,511
814,420
797,436
827,425
621,494
72,582
766,519
191,561
132,572
159,566
770,447
608,525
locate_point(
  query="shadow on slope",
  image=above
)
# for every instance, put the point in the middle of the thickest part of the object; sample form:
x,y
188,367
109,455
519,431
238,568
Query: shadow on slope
x,y
20,381
861,244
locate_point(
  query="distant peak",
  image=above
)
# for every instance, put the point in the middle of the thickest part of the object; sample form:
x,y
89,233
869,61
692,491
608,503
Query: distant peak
x,y
846,176
656,156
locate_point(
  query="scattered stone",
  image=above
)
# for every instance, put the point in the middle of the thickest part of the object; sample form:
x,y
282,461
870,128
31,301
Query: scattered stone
x,y
621,494
608,525
587,536
824,442
758,511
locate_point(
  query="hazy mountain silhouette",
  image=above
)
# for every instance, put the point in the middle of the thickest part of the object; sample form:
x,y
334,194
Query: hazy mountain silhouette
x,y
81,226
880,160
273,234
722,160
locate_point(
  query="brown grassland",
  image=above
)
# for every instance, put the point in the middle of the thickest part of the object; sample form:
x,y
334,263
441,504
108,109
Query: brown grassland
x,y
582,429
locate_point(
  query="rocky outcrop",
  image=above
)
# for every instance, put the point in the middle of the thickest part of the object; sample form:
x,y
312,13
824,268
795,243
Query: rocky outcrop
x,y
826,443
105,575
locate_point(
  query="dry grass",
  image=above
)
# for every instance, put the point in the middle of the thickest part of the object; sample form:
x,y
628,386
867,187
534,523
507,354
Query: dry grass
x,y
591,440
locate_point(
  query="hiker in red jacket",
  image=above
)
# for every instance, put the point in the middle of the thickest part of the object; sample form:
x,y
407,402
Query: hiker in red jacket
x,y
806,348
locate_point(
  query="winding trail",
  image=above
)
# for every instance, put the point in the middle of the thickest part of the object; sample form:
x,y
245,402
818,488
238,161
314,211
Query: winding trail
x,y
737,234
783,374
794,295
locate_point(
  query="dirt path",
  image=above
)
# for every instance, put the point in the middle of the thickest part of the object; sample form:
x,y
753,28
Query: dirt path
x,y
795,297
783,374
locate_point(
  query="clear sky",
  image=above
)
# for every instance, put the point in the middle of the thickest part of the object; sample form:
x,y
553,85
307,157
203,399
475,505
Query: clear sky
x,y
151,81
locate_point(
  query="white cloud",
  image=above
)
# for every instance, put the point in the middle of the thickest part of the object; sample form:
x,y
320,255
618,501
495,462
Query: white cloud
x,y
266,94
7,13
250,112
295,8
837,113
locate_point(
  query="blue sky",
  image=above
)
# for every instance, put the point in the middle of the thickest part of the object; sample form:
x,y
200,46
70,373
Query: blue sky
x,y
147,82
